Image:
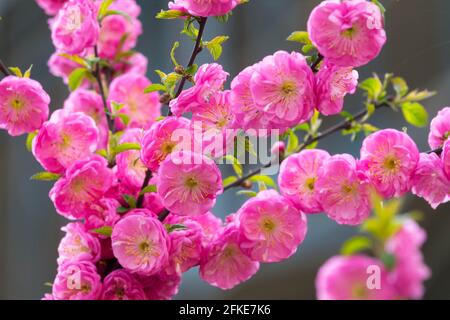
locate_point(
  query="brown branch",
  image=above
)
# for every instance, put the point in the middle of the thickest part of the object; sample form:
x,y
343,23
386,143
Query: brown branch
x,y
4,69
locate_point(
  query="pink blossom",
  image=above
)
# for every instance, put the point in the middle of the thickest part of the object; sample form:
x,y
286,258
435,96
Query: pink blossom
x,y
130,169
78,244
91,104
332,84
410,271
224,264
75,27
439,128
161,286
204,8
84,183
342,192
64,139
77,280
188,183
122,285
141,108
102,213
51,7
297,178
272,228
23,105
136,63
209,79
446,158
140,243
429,180
62,67
163,138
347,33
210,224
282,86
389,157
348,278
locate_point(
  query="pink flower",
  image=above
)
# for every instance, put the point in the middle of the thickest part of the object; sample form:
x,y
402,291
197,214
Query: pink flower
x,y
429,180
272,228
163,138
140,244
446,158
224,264
130,169
75,27
78,244
297,178
247,115
332,84
102,213
161,286
439,128
347,33
209,79
62,67
122,285
84,183
51,7
188,183
136,63
141,108
64,139
204,8
349,278
344,196
23,105
91,104
389,157
77,280
210,224
282,86
410,271
118,32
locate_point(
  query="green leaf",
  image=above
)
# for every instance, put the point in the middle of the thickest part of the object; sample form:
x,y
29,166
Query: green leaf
x,y
192,69
17,72
122,210
104,231
248,193
74,58
45,176
174,227
415,114
388,260
29,142
214,46
124,117
27,73
400,86
380,5
300,36
130,200
155,87
292,142
355,244
170,14
237,167
126,147
76,78
172,53
417,95
372,86
265,179
229,180
148,189
119,13
224,18
104,8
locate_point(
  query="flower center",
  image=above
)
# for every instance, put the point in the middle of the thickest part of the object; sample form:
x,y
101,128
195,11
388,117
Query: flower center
x,y
74,19
288,88
359,292
228,252
191,182
144,246
391,163
85,288
120,292
347,189
167,147
310,183
349,33
268,225
17,104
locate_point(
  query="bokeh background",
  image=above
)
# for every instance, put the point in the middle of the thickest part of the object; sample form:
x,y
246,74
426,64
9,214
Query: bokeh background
x,y
418,49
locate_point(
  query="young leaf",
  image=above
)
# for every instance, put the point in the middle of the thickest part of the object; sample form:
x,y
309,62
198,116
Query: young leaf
x,y
155,87
172,53
45,176
215,46
27,73
292,142
76,78
148,189
229,180
126,147
300,36
104,8
170,14
130,200
235,162
355,244
415,114
248,193
174,227
104,231
17,72
400,86
265,179
372,86
29,142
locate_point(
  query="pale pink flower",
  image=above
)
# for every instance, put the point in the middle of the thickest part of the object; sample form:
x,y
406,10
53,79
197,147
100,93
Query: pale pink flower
x,y
439,128
122,285
209,80
332,84
389,158
141,108
271,227
164,137
204,8
348,278
23,105
429,180
297,178
51,7
78,244
188,183
90,103
224,264
64,139
75,27
347,33
140,243
282,86
161,286
445,155
84,183
130,169
342,191
409,271
102,213
62,67
77,280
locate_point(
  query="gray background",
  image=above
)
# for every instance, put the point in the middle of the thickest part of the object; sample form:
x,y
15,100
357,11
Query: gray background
x,y
418,49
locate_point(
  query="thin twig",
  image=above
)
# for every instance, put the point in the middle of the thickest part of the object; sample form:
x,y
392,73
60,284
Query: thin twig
x,y
148,177
4,69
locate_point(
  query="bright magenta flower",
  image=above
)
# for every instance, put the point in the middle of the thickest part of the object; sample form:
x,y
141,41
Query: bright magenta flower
x,y
122,285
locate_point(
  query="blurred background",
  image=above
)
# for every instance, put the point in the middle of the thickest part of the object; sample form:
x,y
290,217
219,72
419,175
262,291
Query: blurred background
x,y
418,49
